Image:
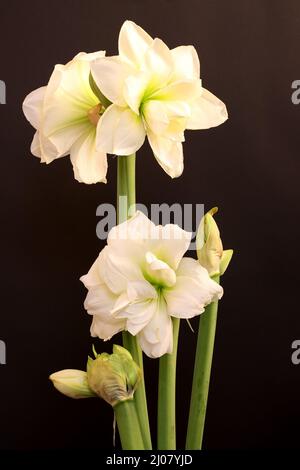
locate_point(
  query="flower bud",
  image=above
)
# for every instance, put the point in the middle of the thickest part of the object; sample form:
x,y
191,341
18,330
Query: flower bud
x,y
113,377
72,383
209,246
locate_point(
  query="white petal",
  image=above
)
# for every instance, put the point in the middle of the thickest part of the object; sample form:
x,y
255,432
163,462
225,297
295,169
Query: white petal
x,y
35,145
132,239
107,328
138,227
139,315
134,89
138,306
140,290
90,165
184,90
207,111
186,63
159,62
92,278
133,43
33,105
136,291
168,153
172,244
167,118
99,302
90,56
117,271
194,289
48,151
156,116
120,131
156,339
109,74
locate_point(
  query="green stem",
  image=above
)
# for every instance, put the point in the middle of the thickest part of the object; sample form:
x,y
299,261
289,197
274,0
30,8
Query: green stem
x,y
166,423
125,202
201,379
128,426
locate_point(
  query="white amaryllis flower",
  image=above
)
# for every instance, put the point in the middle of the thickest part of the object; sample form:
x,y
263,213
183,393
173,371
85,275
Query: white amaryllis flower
x,y
156,92
65,114
140,280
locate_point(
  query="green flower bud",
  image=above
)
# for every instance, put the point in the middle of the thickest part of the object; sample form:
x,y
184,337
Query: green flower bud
x,y
113,377
72,383
209,246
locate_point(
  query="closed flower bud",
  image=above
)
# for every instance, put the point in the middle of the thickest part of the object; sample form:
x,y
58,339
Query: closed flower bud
x,y
113,377
209,246
72,383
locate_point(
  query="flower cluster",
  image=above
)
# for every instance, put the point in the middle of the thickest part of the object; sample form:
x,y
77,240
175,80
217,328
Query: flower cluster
x,y
146,90
141,282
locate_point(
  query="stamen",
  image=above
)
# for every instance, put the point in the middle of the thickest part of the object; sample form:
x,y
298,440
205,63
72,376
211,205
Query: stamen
x,y
94,114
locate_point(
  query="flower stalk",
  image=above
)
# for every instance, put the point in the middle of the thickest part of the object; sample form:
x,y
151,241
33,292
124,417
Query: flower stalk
x,y
216,260
201,378
125,206
129,426
166,424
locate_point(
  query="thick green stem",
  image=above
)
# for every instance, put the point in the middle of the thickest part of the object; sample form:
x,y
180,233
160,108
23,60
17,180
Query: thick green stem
x,y
166,422
201,379
128,426
125,204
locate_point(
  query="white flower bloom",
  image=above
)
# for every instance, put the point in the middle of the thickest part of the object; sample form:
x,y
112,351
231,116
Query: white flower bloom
x,y
65,114
140,280
156,92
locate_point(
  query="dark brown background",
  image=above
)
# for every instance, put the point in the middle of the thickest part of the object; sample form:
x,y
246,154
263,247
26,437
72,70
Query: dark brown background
x,y
249,167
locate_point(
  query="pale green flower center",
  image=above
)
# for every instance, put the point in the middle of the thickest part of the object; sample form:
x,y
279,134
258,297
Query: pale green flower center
x,y
158,273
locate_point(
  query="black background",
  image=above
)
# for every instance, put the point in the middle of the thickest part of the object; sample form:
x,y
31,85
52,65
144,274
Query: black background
x,y
249,167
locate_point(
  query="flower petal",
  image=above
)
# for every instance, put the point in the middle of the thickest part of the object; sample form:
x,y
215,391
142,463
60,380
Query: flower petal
x,y
137,305
184,90
168,153
186,63
132,238
33,105
99,302
109,74
134,90
166,118
156,339
90,165
171,244
106,328
120,131
159,63
117,271
194,289
48,151
139,315
93,277
35,147
133,43
207,111
156,116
